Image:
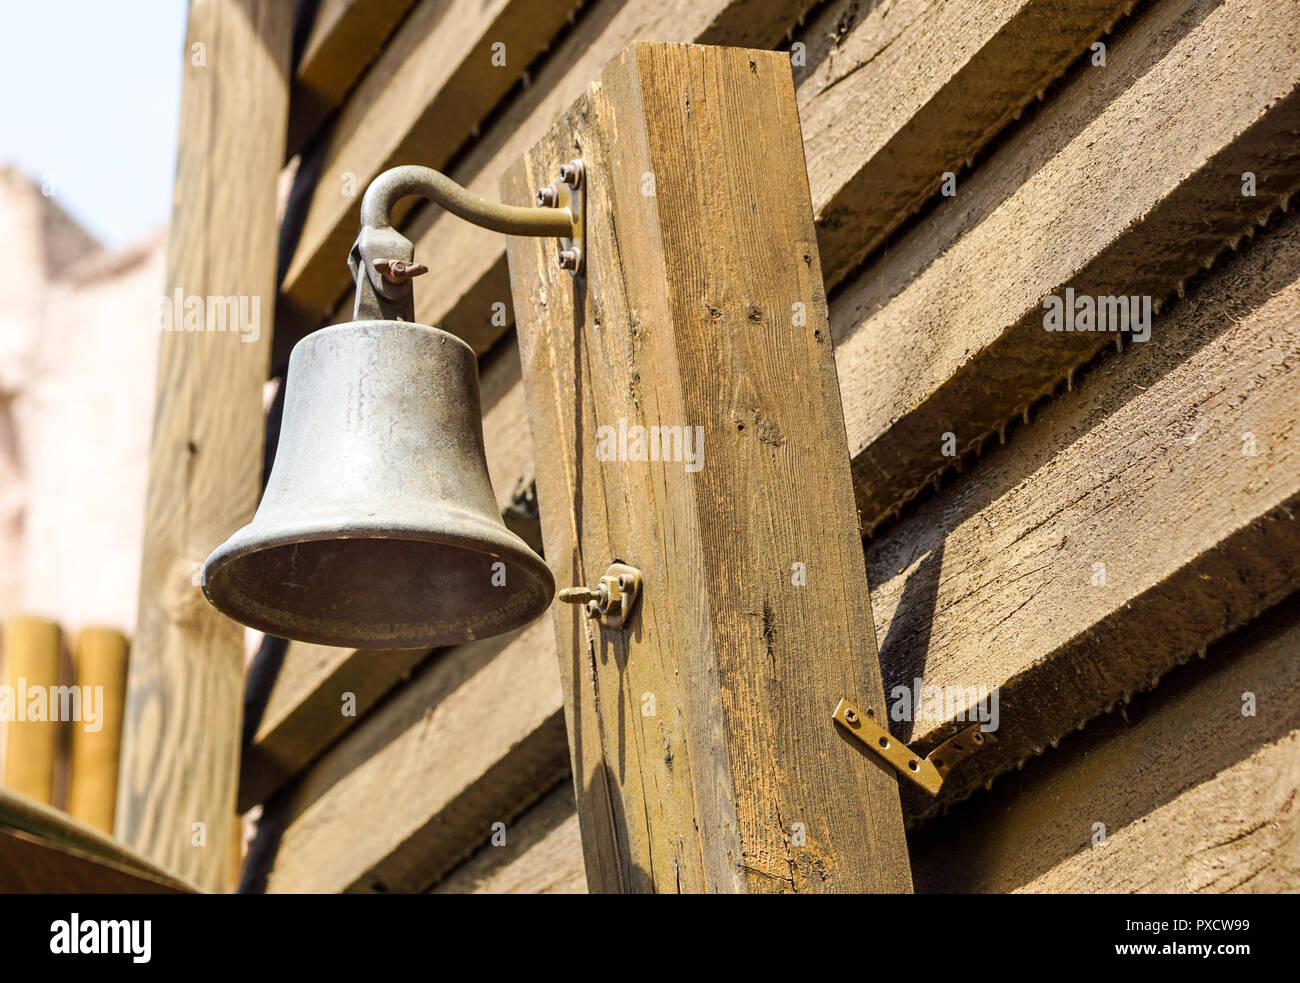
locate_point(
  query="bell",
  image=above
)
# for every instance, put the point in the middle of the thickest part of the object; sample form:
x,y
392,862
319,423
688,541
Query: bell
x,y
378,528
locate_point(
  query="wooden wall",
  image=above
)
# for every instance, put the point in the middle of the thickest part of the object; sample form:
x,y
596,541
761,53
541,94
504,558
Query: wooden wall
x,y
1073,519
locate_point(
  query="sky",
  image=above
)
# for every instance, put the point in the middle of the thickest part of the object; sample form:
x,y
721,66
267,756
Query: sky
x,y
89,102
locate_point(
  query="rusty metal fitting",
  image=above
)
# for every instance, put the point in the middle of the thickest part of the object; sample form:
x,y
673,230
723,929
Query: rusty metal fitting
x,y
399,271
572,174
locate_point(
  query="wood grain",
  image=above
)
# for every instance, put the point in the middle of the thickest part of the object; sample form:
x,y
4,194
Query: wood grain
x,y
1194,794
542,854
343,39
473,739
1144,470
182,729
890,109
684,319
944,333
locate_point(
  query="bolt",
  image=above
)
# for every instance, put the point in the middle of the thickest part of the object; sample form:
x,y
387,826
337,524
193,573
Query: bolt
x,y
571,173
570,259
398,270
576,595
548,197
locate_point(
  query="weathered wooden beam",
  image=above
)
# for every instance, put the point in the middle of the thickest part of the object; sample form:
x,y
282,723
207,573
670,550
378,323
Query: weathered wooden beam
x,y
890,109
181,737
439,76
1194,786
474,738
944,334
315,695
702,746
1139,518
541,854
343,39
300,705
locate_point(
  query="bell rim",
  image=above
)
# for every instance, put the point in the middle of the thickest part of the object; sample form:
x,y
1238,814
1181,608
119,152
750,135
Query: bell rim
x,y
507,547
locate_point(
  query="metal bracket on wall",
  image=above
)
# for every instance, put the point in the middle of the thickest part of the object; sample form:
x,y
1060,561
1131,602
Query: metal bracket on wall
x,y
612,599
928,772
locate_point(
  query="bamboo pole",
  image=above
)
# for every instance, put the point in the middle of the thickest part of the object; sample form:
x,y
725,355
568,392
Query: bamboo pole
x,y
32,649
100,658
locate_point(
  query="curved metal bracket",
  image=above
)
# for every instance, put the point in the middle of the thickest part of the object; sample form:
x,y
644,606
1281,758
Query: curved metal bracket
x,y
382,259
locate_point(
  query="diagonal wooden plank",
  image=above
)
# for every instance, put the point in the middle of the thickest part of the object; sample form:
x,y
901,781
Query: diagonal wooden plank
x,y
1138,519
343,38
944,333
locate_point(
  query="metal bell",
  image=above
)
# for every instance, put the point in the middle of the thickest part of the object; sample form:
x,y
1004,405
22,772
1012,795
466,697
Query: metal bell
x,y
378,528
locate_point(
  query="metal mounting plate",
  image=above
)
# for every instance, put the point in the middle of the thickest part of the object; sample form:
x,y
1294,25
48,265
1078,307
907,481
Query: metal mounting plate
x,y
928,772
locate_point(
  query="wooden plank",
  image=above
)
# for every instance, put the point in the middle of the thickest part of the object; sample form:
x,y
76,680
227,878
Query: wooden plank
x,y
33,650
315,695
542,854
1125,529
891,108
181,736
100,660
1201,92
1194,794
738,782
435,81
344,38
474,738
471,261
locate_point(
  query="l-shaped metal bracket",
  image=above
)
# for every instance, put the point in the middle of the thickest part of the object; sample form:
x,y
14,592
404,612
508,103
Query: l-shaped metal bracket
x,y
928,772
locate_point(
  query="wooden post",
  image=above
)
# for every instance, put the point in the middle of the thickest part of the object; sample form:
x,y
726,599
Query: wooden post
x,y
704,753
100,658
180,747
32,646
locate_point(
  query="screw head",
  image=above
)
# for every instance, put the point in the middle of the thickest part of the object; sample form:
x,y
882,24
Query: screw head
x,y
547,197
851,715
593,609
570,259
571,173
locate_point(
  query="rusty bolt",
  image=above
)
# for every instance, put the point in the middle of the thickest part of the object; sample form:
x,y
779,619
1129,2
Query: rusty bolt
x,y
570,259
571,173
548,197
399,271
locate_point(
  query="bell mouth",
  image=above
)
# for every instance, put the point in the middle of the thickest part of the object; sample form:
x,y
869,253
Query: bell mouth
x,y
379,589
